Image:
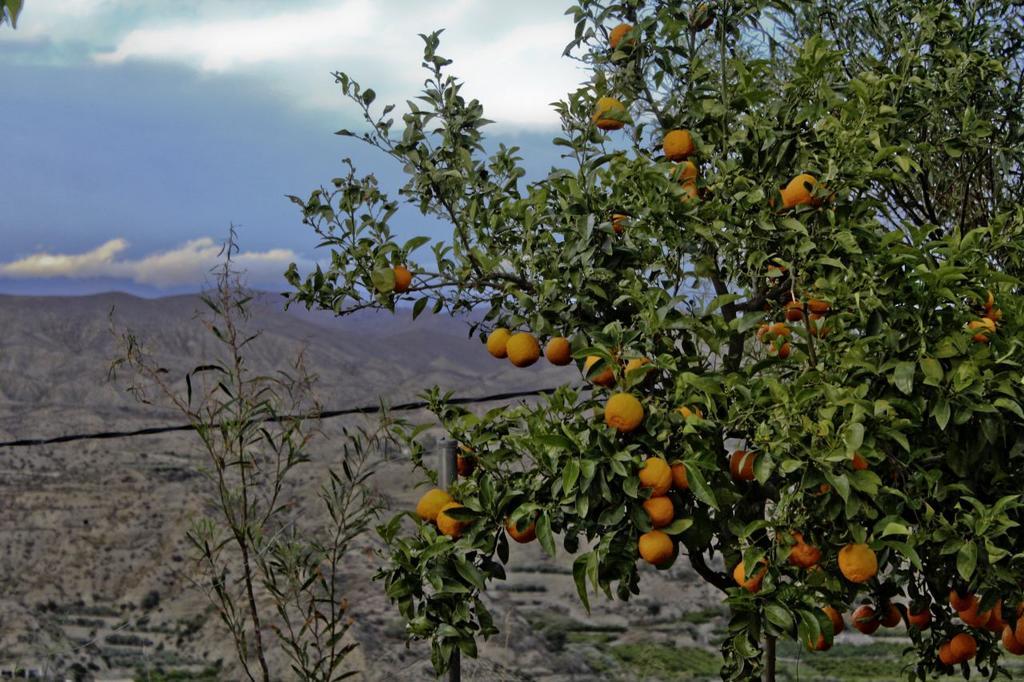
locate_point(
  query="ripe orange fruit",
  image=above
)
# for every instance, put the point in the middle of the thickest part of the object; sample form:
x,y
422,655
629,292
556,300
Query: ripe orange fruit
x,y
690,191
963,647
995,621
430,504
919,619
798,191
767,332
837,619
866,620
660,511
678,144
858,462
785,350
821,645
741,465
685,172
752,584
619,222
618,33
994,314
558,351
523,349
946,654
892,616
528,534
984,328
605,377
858,563
464,464
497,342
1010,642
635,364
973,617
449,525
961,602
818,306
679,480
623,412
402,278
656,475
687,411
609,113
657,548
1018,630
802,554
794,311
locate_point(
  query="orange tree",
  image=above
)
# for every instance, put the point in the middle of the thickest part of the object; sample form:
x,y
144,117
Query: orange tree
x,y
802,223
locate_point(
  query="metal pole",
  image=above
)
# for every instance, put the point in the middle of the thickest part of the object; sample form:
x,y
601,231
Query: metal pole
x,y
447,467
447,473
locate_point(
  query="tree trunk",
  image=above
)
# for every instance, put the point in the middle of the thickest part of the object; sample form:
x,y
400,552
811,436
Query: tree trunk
x,y
769,659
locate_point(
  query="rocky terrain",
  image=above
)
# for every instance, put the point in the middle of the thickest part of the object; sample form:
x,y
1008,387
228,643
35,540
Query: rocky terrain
x,y
94,564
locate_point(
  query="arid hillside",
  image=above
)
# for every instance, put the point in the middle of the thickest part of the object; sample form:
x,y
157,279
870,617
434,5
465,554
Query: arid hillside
x,y
94,567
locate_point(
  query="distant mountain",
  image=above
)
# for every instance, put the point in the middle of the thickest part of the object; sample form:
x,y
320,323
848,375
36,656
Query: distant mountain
x,y
55,353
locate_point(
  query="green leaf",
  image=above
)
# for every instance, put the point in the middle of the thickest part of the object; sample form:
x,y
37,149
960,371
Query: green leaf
x,y
941,412
840,484
793,224
383,280
909,552
903,375
470,572
579,576
893,528
779,616
415,243
1011,405
854,437
14,9
699,486
967,560
570,474
932,369
544,536
678,526
418,307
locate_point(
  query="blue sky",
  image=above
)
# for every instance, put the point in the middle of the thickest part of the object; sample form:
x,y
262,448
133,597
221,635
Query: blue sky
x,y
135,132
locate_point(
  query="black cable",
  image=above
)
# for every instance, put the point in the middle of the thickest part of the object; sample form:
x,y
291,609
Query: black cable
x,y
368,409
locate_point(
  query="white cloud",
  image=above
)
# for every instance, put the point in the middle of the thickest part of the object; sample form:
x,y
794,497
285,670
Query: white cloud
x,y
509,54
187,265
224,44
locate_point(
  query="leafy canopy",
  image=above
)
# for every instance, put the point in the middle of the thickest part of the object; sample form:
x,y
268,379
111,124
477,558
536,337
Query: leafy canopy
x,y
907,114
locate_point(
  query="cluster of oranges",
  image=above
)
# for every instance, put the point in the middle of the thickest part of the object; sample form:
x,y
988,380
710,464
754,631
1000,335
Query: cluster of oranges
x,y
611,114
522,348
961,647
776,335
434,505
985,327
658,477
623,411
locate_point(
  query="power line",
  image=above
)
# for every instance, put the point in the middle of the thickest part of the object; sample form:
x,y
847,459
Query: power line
x,y
327,414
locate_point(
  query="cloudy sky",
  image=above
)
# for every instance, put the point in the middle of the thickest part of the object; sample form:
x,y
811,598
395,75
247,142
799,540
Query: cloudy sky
x,y
136,131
